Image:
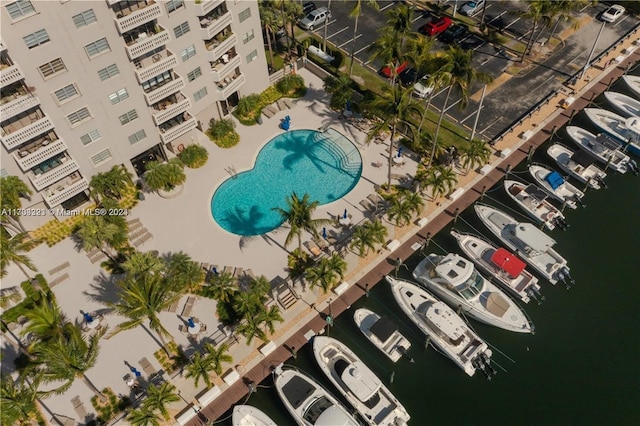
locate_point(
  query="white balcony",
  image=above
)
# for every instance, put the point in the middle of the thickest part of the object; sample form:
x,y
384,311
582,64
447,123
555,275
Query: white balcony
x,y
42,180
70,186
146,44
169,111
138,17
112,2
154,65
22,135
219,49
211,27
163,91
179,130
3,47
226,88
207,6
19,104
29,158
10,75
221,70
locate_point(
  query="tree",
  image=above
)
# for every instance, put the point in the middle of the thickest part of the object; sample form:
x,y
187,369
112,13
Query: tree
x,y
366,236
414,201
250,328
537,11
17,401
355,14
440,179
399,211
269,22
97,232
459,72
159,396
389,47
165,176
111,184
45,321
474,154
268,317
299,216
247,304
326,273
341,90
141,265
12,251
12,188
143,417
182,272
218,356
223,287
199,368
338,264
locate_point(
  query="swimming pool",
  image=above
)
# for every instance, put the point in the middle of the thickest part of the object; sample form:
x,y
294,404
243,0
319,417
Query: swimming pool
x,y
326,165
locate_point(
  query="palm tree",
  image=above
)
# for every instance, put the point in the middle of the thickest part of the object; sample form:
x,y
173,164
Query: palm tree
x,y
325,274
440,179
97,232
247,303
219,356
415,202
293,11
355,14
537,11
458,70
12,251
365,237
45,321
269,22
143,417
223,287
340,88
474,154
182,272
200,367
268,317
250,328
12,188
165,176
17,401
399,211
111,184
561,11
299,216
389,47
395,107
141,265
159,396
338,264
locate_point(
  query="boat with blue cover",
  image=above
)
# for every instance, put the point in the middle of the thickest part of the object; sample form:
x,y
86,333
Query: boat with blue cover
x,y
556,186
626,131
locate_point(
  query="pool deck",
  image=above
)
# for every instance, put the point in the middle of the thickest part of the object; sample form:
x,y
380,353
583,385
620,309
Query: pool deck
x,y
185,224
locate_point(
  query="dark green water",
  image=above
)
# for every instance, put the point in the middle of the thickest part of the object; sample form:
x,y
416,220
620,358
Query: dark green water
x,y
582,367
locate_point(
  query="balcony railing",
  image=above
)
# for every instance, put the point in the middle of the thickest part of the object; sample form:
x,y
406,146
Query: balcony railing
x,y
211,27
31,158
169,110
146,11
22,135
19,103
226,88
220,70
163,91
61,191
207,6
156,64
178,130
222,48
147,43
10,75
48,178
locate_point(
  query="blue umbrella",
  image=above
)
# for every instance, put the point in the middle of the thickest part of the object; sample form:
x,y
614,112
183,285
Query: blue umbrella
x,y
87,317
136,372
191,323
324,233
348,105
215,270
399,151
344,216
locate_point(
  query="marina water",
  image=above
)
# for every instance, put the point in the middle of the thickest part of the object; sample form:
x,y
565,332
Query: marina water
x,y
582,366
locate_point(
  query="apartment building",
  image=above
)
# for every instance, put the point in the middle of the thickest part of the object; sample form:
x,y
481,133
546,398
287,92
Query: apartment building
x,y
87,85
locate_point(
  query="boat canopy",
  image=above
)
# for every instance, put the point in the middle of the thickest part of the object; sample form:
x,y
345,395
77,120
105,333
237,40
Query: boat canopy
x,y
583,158
554,179
361,381
535,192
533,237
497,305
508,262
383,329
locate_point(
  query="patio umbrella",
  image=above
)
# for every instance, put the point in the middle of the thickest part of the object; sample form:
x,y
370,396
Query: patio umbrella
x,y
344,216
399,151
348,106
136,372
87,317
324,233
215,270
191,323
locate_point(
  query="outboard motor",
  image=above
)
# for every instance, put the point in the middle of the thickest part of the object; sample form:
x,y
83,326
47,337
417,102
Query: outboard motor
x,y
565,276
601,181
578,201
479,365
633,167
535,291
532,294
485,360
561,223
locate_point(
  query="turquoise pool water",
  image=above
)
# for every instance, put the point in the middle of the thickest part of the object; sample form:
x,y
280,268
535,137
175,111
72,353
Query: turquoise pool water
x,y
325,165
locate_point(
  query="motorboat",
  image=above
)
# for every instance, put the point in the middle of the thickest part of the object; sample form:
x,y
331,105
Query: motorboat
x,y
528,242
533,200
625,105
449,333
359,385
500,263
633,82
382,332
307,401
246,415
556,186
578,164
601,147
456,281
625,131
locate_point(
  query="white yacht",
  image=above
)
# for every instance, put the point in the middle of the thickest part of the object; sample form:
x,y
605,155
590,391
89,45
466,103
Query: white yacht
x,y
601,147
505,266
455,280
633,82
533,200
445,329
625,105
246,415
578,164
382,332
308,402
556,186
626,131
528,242
359,385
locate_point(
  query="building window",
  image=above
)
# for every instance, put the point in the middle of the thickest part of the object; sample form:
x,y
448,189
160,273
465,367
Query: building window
x,y
181,29
85,18
244,15
36,39
156,81
200,94
97,47
137,137
251,56
194,74
172,5
187,53
66,93
4,173
128,117
101,157
118,96
52,68
90,137
248,37
78,116
108,72
20,8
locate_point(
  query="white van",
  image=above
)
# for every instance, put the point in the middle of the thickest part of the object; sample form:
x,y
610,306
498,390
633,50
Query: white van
x,y
315,18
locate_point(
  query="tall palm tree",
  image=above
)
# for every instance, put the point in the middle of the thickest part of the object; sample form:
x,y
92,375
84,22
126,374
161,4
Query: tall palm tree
x,y
460,73
269,22
17,401
45,321
165,176
299,216
355,14
324,274
250,328
218,356
538,12
200,368
400,211
268,317
415,202
440,179
395,107
338,264
293,11
182,272
97,232
247,303
223,287
12,188
367,236
474,154
111,184
390,48
143,417
12,251
159,396
340,88
142,265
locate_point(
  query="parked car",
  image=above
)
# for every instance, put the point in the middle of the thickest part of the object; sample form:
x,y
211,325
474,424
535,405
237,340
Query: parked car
x,y
308,7
613,13
436,26
408,76
315,18
422,88
470,8
454,33
386,70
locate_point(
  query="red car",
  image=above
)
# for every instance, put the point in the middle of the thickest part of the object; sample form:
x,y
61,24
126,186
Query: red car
x,y
386,71
436,26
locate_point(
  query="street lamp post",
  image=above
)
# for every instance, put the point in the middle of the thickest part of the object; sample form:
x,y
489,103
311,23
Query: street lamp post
x,y
593,48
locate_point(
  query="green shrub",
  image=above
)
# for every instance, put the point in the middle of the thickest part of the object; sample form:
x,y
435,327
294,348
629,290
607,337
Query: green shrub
x,y
222,132
194,156
291,85
248,104
270,95
165,175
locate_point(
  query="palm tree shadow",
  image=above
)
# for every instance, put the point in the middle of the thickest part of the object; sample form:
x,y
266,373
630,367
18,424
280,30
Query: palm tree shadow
x,y
105,288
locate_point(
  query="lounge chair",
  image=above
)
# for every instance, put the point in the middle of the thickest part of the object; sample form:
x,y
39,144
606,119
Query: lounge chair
x,y
313,248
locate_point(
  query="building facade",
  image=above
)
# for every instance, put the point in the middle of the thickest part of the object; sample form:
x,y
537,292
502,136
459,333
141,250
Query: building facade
x,y
87,85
